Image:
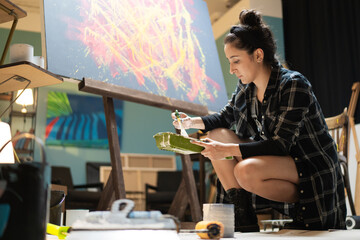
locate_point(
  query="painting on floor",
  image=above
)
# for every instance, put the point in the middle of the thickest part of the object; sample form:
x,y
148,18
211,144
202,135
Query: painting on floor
x,y
162,47
78,120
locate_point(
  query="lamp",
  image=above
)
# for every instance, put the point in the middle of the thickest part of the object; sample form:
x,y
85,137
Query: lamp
x,y
6,148
25,98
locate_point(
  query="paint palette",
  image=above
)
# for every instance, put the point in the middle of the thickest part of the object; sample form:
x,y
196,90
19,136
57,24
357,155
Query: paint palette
x,y
173,142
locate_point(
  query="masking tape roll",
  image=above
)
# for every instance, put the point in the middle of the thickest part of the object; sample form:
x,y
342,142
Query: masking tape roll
x,y
352,222
21,52
215,229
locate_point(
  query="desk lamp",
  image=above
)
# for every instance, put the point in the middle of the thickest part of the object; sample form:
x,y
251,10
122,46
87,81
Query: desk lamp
x,y
25,98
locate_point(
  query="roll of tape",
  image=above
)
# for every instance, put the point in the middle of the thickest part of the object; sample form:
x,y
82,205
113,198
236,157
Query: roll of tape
x,y
353,222
21,52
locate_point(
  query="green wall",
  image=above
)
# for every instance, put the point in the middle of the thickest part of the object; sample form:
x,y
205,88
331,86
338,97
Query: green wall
x,y
32,38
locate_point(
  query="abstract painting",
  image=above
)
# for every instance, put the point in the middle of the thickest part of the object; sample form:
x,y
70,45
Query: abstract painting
x,y
78,120
163,47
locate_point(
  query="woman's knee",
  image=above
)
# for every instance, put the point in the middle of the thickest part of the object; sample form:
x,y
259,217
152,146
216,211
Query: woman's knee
x,y
246,173
223,135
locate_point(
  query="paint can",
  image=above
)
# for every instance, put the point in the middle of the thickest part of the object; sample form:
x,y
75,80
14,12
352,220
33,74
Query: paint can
x,y
223,213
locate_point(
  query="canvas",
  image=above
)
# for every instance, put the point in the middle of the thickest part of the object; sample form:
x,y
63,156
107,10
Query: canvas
x,y
166,48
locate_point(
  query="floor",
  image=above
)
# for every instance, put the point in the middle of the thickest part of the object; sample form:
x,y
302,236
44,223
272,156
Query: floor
x,y
167,235
288,234
113,234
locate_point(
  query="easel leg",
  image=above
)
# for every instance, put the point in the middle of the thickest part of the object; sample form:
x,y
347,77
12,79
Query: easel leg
x,y
107,196
182,198
202,178
180,202
189,179
117,185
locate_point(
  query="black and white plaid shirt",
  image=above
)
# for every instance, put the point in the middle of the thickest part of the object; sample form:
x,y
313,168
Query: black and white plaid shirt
x,y
290,118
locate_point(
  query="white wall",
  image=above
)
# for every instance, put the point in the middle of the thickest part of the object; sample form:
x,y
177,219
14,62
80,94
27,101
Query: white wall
x,y
353,163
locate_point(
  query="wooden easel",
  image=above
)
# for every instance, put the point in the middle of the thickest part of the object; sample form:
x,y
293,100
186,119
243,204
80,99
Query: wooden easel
x,y
115,187
351,112
186,194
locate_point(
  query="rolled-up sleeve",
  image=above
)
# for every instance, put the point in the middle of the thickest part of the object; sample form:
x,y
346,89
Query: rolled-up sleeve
x,y
296,97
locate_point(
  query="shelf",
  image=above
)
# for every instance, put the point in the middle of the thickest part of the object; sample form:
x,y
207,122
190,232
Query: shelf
x,y
20,114
7,5
6,97
20,72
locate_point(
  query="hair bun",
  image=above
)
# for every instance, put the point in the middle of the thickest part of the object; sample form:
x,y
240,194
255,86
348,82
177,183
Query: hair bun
x,y
251,18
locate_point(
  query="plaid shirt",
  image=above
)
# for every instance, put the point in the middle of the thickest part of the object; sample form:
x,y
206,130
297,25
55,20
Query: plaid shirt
x,y
291,117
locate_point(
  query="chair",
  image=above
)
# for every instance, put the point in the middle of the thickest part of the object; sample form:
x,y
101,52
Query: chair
x,y
339,129
164,192
93,171
160,197
75,198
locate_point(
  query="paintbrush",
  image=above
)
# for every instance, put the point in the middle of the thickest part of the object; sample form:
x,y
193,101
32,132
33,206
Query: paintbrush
x,y
182,129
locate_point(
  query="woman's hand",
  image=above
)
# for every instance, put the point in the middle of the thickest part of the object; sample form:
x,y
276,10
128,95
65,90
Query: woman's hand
x,y
187,122
215,150
184,118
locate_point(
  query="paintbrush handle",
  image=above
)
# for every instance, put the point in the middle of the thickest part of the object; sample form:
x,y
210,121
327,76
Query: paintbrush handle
x,y
182,129
183,132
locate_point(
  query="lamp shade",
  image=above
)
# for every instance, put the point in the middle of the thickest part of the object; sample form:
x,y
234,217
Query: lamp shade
x,y
26,98
7,153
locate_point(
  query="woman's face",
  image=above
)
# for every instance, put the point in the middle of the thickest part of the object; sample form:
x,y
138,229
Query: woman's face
x,y
243,65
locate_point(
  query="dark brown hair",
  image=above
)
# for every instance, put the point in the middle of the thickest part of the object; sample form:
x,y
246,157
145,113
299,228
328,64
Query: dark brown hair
x,y
252,33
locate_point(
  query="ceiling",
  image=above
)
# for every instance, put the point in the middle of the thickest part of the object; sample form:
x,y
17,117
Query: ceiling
x,y
216,7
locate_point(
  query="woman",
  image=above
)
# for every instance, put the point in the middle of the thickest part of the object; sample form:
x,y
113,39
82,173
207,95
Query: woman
x,y
274,128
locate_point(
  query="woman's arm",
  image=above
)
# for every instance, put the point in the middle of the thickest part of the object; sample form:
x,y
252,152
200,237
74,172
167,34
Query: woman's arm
x,y
215,150
188,122
196,122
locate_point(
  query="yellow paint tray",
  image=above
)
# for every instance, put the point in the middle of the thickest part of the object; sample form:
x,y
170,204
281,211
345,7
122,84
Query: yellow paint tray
x,y
176,143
